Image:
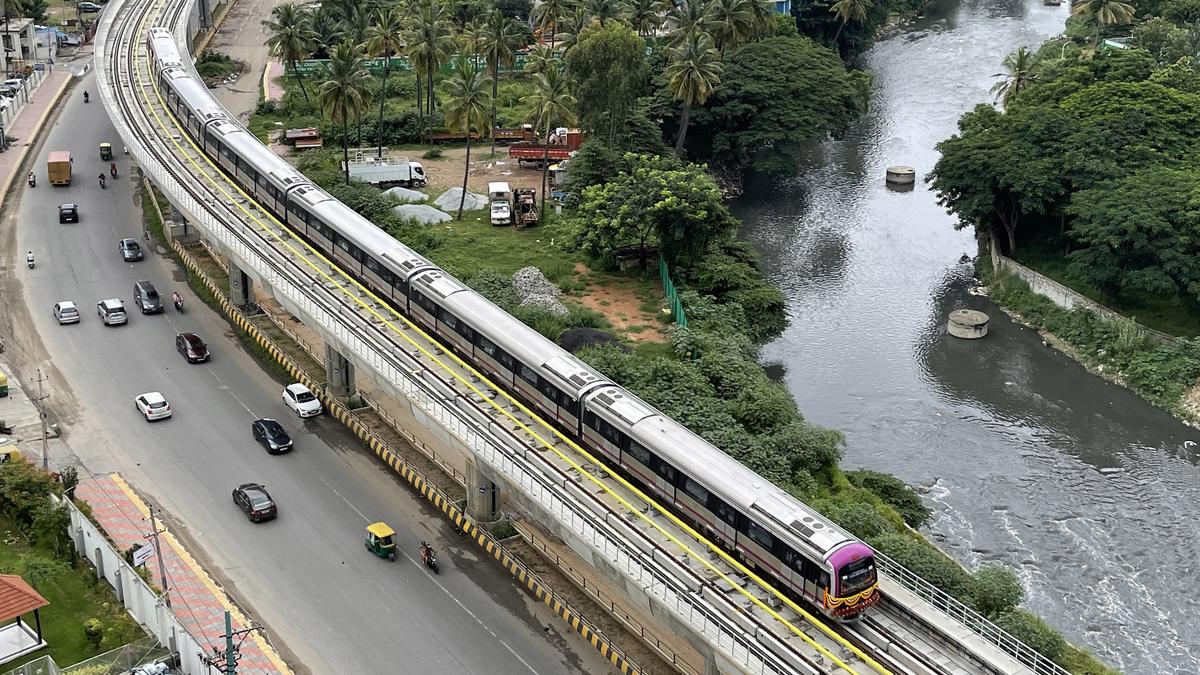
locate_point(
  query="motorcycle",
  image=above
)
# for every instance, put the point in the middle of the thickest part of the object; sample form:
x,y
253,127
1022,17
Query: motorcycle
x,y
85,97
29,260
428,557
32,179
112,168
179,305
102,179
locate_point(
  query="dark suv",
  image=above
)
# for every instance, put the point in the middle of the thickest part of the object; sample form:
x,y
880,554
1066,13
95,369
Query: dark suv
x,y
146,297
272,436
130,250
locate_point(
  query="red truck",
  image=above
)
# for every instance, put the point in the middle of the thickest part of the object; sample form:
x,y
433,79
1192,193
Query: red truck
x,y
562,144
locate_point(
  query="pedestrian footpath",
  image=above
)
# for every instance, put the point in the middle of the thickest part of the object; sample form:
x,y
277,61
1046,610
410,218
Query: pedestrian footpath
x,y
196,599
27,124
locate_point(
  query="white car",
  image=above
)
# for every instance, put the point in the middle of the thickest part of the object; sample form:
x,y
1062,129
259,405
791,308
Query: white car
x,y
66,312
299,398
153,405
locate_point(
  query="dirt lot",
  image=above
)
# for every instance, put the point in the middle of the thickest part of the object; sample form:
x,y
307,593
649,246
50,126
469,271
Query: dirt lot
x,y
447,171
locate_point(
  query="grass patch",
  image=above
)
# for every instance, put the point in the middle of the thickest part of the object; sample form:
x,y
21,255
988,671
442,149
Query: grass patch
x,y
75,596
471,245
1169,314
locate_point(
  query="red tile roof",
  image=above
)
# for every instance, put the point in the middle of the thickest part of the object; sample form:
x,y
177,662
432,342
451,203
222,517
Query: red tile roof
x,y
17,597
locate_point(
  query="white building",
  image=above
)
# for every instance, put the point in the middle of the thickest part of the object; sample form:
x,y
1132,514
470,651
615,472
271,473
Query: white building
x,y
19,42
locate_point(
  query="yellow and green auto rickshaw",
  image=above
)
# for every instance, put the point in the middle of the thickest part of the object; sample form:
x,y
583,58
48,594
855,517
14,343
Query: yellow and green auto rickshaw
x,y
106,152
381,540
3,385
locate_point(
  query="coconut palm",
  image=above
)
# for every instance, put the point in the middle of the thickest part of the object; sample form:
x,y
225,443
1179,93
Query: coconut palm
x,y
466,109
761,11
385,38
1103,13
355,27
502,38
552,102
602,10
343,94
548,14
847,11
430,44
289,38
683,20
575,24
644,15
693,72
1019,73
472,34
325,30
729,22
540,59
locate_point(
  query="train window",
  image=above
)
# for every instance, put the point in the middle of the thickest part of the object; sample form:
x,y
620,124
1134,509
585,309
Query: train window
x,y
794,560
823,580
570,405
548,390
724,511
401,285
447,318
665,470
487,346
527,374
373,265
639,452
696,491
509,363
425,303
760,535
343,243
589,419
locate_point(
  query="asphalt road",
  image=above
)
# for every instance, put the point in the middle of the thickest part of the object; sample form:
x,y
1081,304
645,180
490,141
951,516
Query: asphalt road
x,y
330,605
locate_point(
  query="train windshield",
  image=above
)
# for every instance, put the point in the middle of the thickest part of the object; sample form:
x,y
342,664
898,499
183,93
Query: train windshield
x,y
856,576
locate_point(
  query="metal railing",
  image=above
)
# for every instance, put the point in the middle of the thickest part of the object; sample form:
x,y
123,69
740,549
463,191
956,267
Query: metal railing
x,y
664,275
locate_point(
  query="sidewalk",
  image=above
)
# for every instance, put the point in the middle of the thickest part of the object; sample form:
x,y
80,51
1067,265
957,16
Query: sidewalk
x,y
195,598
26,125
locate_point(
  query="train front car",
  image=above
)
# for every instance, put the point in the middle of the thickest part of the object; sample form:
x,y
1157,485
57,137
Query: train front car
x,y
857,581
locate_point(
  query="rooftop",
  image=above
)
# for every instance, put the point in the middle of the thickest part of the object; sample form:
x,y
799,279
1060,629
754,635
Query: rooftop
x,y
17,597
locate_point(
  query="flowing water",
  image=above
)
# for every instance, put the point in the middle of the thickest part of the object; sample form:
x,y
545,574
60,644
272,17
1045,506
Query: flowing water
x,y
1027,459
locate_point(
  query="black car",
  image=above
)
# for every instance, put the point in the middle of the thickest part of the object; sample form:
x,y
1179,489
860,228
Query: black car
x,y
254,501
130,250
145,297
191,347
68,213
271,435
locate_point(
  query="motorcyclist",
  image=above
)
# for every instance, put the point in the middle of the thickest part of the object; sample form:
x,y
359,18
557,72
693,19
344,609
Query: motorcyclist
x,y
426,551
177,299
29,258
85,96
112,168
102,179
32,179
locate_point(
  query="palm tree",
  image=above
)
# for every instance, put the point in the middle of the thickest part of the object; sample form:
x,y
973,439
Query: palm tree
x,y
683,20
576,22
430,44
1019,67
466,110
729,22
761,11
325,30
1103,13
344,93
547,15
847,11
644,15
540,59
356,26
289,38
384,38
601,10
692,74
472,36
502,38
552,102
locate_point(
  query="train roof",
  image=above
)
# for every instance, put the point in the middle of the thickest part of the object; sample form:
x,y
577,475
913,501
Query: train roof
x,y
165,48
194,95
243,143
709,465
525,344
368,237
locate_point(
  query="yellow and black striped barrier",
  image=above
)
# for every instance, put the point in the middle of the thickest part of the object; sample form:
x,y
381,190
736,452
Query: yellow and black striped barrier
x,y
414,477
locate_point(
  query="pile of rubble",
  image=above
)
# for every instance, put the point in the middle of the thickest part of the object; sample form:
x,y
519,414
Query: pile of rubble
x,y
449,199
535,290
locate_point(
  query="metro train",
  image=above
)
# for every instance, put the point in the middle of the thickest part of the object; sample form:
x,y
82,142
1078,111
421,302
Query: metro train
x,y
809,556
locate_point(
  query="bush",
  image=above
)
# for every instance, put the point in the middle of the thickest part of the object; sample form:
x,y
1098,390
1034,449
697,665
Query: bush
x,y
924,560
265,107
23,490
1034,632
432,153
860,518
93,629
994,590
895,493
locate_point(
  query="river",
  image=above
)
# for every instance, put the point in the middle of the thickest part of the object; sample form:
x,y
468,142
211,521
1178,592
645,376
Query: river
x,y
1092,495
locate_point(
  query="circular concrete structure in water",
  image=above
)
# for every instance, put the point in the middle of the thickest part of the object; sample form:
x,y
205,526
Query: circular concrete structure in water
x,y
901,175
968,324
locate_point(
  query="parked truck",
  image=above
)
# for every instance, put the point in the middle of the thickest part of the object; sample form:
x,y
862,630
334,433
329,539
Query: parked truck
x,y
522,134
58,167
500,197
387,171
526,207
562,143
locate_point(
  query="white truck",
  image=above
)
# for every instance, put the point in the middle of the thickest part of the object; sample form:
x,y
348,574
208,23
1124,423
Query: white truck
x,y
387,170
500,197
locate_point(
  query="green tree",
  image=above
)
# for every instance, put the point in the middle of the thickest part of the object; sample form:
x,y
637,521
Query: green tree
x,y
540,59
594,163
1181,76
1018,73
1103,13
325,31
693,72
994,590
895,493
1034,632
729,22
430,43
50,526
552,103
860,518
24,489
466,110
602,11
684,19
607,71
643,15
548,14
576,23
775,94
356,25
343,94
1166,41
384,39
41,571
925,560
289,38
847,11
501,39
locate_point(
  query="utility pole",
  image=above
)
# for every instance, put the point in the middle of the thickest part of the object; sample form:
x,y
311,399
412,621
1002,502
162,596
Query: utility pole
x,y
40,401
158,553
226,662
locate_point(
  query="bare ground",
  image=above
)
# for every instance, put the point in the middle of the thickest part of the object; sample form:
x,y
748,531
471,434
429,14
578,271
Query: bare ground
x,y
620,300
446,171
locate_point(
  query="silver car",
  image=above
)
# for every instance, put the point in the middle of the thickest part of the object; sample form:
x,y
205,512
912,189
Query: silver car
x,y
112,312
66,312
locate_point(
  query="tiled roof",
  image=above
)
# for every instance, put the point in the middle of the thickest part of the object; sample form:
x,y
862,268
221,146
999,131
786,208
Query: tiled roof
x,y
17,597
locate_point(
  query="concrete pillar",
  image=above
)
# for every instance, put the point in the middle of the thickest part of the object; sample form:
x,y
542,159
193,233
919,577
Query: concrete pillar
x,y
483,496
239,286
339,374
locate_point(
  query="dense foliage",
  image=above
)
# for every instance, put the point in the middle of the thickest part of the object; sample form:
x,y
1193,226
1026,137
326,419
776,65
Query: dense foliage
x,y
608,72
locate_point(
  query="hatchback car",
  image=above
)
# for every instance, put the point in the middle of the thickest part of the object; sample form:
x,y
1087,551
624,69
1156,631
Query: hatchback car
x,y
130,250
89,7
112,312
191,347
271,435
66,312
299,398
254,501
145,296
68,213
153,405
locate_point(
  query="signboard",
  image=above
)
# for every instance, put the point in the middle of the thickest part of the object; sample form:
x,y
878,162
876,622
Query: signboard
x,y
142,554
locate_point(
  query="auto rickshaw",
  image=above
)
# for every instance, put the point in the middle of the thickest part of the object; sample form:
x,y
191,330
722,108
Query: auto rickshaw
x,y
106,152
381,540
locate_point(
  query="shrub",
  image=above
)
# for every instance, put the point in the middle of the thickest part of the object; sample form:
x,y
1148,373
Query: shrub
x,y
265,107
860,518
432,153
23,490
93,629
994,590
924,560
895,493
1034,632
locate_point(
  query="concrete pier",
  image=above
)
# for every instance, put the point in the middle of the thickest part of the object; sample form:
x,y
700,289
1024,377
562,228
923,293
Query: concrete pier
x,y
968,324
